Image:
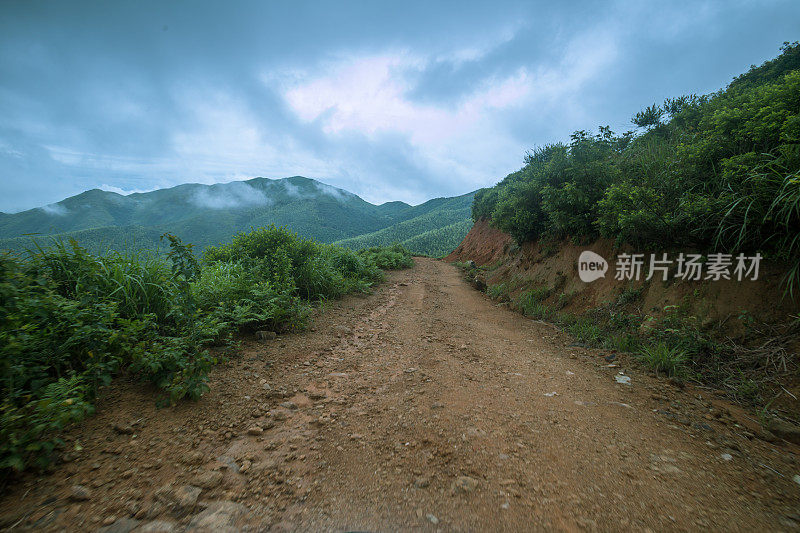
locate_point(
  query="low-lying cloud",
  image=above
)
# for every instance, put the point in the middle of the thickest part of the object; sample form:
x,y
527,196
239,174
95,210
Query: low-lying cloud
x,y
230,196
55,209
333,192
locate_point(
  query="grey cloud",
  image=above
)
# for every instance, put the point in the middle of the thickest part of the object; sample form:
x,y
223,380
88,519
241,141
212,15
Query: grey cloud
x,y
119,84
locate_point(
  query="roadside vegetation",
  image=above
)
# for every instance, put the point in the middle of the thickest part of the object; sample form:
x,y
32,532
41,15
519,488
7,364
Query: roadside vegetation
x,y
674,346
710,173
717,172
71,321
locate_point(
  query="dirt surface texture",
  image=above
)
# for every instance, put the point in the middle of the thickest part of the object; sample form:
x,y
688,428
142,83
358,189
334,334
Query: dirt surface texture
x,y
423,406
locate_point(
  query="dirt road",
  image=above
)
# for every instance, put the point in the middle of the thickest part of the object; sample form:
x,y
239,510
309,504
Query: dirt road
x,y
423,406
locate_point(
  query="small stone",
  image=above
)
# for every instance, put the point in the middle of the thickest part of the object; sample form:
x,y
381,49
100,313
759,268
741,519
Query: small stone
x,y
265,336
210,479
157,526
228,462
283,527
123,525
464,484
245,466
255,431
133,507
505,505
79,493
784,430
796,479
123,429
186,496
109,520
289,405
422,482
726,457
218,516
194,458
432,519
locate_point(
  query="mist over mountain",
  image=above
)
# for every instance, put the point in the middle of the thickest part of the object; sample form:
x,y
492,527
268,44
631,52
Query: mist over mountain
x,y
210,214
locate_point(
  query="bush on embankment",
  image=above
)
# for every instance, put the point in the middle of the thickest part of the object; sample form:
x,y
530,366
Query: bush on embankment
x,y
718,172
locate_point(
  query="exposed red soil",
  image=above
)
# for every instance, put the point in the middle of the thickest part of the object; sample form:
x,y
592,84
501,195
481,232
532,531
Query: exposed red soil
x,y
483,244
555,265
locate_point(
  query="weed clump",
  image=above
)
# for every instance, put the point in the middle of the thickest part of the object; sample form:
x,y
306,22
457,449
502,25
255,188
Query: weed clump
x,y
670,360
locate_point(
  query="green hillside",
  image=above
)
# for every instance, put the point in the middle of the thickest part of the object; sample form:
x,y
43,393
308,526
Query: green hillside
x,y
440,241
206,215
121,238
434,228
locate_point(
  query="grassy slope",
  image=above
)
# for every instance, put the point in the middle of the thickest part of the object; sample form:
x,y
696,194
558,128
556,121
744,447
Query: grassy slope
x,y
434,228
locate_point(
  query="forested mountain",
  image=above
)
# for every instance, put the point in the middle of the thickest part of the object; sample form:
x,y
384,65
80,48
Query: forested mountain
x,y
434,228
206,215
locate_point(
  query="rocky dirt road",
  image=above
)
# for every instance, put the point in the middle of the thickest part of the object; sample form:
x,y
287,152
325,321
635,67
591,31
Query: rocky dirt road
x,y
423,406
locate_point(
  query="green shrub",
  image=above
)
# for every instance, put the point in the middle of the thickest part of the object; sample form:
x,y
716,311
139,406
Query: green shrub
x,y
393,257
537,310
498,291
586,331
670,360
70,320
530,303
564,299
622,341
238,298
629,295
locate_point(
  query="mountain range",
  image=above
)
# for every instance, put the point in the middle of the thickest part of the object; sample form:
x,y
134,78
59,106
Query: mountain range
x,y
206,215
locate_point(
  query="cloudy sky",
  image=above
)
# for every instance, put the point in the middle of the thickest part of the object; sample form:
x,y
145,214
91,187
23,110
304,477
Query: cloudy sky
x,y
390,100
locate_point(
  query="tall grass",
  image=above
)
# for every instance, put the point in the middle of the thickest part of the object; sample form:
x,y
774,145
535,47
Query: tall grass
x,y
530,303
139,282
71,320
669,360
765,211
